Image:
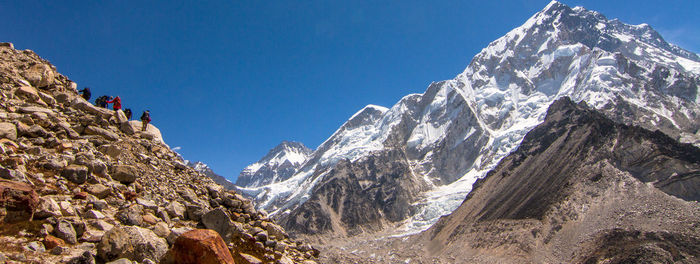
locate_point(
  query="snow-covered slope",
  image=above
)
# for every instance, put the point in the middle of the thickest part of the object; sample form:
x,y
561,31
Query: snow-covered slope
x,y
459,129
279,164
207,171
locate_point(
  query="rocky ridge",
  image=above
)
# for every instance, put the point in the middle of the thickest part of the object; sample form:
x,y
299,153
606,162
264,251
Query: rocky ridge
x,y
82,184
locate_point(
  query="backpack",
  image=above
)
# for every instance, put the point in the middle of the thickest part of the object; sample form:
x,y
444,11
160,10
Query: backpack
x,y
146,117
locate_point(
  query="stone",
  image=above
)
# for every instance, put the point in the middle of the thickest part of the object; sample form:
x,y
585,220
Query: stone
x,y
131,242
98,131
75,173
47,208
94,214
39,75
281,247
124,173
149,219
120,117
261,236
80,195
92,236
219,221
28,92
58,250
34,131
120,261
51,242
67,208
8,131
35,246
63,98
47,98
148,204
85,106
102,225
110,150
130,215
175,233
99,204
176,209
195,212
128,128
64,230
11,174
7,44
201,246
85,258
98,190
19,201
243,258
98,167
161,229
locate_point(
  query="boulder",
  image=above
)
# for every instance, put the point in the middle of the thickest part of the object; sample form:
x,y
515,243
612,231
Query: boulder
x,y
94,214
110,150
219,221
195,212
120,261
85,258
67,208
120,117
131,215
34,131
98,190
176,209
124,173
64,230
175,233
51,242
47,98
131,242
7,44
63,98
19,201
8,130
85,106
98,131
75,173
11,174
201,246
276,231
39,75
28,92
47,208
243,258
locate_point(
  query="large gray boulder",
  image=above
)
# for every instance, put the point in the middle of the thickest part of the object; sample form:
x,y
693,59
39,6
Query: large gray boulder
x,y
124,173
64,230
219,221
8,130
131,242
75,173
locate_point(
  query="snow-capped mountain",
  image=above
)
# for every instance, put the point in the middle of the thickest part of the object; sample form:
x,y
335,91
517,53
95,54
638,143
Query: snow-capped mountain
x,y
207,171
431,147
279,164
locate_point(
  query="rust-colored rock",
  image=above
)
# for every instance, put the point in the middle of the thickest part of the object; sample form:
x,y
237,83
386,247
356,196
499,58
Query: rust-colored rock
x,y
130,196
80,195
203,246
52,242
19,200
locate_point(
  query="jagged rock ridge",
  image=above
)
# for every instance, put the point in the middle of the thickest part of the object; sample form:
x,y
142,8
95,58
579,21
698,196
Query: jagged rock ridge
x,y
457,130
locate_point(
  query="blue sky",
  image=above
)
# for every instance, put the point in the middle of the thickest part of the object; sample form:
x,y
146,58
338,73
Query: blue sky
x,y
228,80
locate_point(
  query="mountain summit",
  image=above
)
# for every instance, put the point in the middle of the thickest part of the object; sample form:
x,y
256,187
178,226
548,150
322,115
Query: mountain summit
x,y
430,148
279,164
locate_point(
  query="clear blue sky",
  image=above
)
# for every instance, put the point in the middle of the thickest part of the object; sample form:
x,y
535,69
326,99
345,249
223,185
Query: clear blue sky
x,y
228,80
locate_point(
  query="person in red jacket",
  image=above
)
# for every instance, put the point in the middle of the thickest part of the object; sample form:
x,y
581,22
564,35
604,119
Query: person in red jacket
x,y
117,103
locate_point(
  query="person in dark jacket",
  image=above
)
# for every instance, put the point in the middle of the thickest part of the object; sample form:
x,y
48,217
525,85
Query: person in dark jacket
x,y
145,119
117,103
127,113
85,93
102,101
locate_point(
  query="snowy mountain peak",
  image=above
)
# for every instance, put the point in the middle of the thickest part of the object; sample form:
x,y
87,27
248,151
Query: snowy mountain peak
x,y
441,141
279,164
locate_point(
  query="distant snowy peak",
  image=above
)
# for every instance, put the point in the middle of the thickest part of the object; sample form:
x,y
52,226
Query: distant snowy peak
x,y
279,164
207,171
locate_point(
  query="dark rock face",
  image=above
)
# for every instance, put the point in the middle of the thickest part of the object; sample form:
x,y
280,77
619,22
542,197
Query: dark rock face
x,y
576,160
358,196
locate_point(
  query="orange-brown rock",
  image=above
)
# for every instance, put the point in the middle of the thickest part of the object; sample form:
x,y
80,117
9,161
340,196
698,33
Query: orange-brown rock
x,y
19,200
52,242
80,195
202,246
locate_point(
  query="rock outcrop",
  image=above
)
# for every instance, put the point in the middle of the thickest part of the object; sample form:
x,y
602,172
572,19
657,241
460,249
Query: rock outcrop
x,y
82,184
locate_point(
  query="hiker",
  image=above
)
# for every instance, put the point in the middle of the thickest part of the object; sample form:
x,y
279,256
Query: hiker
x,y
127,113
117,103
102,101
145,119
85,93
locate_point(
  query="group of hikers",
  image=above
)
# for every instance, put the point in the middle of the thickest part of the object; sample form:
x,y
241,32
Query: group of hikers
x,y
104,101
